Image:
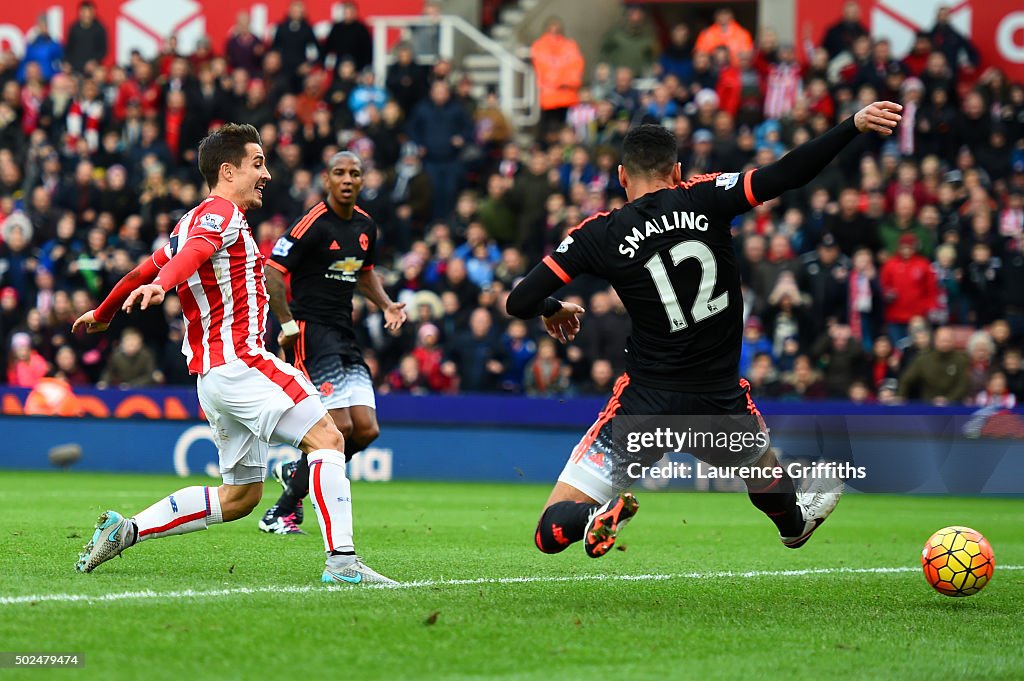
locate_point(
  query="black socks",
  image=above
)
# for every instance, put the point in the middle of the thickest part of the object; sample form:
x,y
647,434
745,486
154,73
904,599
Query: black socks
x,y
296,489
777,500
562,524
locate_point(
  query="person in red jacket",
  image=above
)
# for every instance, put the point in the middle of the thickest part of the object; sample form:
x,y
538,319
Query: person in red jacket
x,y
909,286
917,59
430,359
25,366
741,90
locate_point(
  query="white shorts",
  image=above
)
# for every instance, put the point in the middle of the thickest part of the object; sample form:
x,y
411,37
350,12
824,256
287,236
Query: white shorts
x,y
250,402
343,385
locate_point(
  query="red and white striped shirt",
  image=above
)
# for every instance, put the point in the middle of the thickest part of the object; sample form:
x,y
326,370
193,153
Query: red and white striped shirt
x,y
783,88
225,302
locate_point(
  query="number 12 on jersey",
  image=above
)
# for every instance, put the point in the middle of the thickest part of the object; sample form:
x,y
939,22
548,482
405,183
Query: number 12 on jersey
x,y
703,305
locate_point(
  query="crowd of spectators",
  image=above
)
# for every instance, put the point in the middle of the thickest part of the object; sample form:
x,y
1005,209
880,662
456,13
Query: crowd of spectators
x,y
897,274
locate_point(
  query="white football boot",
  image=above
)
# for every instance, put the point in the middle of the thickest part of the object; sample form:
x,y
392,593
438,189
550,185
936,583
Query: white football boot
x,y
816,503
352,571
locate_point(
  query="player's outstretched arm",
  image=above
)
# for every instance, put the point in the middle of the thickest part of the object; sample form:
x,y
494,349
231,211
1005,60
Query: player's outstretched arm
x,y
370,286
801,165
531,297
183,265
99,319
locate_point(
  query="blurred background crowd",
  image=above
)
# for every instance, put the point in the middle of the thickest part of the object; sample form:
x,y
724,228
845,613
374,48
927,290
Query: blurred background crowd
x,y
897,274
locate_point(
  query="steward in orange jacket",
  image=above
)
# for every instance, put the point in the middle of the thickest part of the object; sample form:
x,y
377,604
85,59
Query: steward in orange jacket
x,y
559,66
725,31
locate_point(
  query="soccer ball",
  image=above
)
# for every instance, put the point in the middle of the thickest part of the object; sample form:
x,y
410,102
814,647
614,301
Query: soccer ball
x,y
957,561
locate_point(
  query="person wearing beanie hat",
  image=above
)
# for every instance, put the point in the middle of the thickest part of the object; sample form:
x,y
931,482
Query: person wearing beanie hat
x,y
430,357
428,333
25,367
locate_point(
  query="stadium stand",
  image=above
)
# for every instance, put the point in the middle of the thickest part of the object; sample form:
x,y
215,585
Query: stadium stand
x,y
846,282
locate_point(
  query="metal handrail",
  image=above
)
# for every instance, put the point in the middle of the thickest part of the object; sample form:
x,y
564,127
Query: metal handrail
x,y
523,104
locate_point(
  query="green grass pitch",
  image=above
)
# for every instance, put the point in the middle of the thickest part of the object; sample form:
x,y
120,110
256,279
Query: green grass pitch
x,y
803,625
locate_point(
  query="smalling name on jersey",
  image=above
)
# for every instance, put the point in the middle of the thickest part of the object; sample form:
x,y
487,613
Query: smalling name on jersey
x,y
666,223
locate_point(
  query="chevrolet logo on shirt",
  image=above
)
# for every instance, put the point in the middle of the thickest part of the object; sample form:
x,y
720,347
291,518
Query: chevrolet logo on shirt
x,y
345,269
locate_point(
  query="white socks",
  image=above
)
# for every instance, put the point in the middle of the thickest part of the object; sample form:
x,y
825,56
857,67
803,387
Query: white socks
x,y
195,508
331,493
187,510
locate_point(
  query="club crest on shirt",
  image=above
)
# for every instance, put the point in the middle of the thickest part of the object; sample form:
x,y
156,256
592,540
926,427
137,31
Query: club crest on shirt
x,y
727,180
211,221
564,246
364,241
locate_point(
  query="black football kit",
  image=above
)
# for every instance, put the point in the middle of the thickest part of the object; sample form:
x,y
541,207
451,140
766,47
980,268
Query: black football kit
x,y
669,255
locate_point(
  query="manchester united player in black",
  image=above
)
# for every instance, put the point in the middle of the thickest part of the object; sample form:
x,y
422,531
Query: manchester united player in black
x,y
328,253
669,255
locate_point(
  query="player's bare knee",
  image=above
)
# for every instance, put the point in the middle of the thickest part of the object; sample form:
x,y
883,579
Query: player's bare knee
x,y
565,492
768,459
364,435
346,432
342,422
324,435
334,439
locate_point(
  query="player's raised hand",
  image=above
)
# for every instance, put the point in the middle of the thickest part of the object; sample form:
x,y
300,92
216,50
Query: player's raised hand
x,y
89,322
880,117
564,324
394,317
145,295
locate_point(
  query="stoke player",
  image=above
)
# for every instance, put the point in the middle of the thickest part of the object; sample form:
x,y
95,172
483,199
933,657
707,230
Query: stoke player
x,y
669,254
249,396
329,253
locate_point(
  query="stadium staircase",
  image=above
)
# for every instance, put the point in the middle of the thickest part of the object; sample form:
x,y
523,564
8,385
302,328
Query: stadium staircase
x,y
489,62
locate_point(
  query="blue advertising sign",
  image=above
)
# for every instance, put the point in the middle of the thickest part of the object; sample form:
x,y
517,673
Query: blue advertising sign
x,y
900,453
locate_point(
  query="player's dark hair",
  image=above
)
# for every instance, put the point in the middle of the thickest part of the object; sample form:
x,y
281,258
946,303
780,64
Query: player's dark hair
x,y
225,145
649,149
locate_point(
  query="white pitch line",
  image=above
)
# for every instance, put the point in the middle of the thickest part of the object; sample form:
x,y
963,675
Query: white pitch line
x,y
219,593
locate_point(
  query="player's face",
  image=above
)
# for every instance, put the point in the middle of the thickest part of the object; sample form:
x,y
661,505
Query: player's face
x,y
345,180
250,179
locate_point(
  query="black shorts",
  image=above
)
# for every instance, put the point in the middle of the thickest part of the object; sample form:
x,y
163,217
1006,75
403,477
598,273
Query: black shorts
x,y
638,400
335,366
321,340
598,465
